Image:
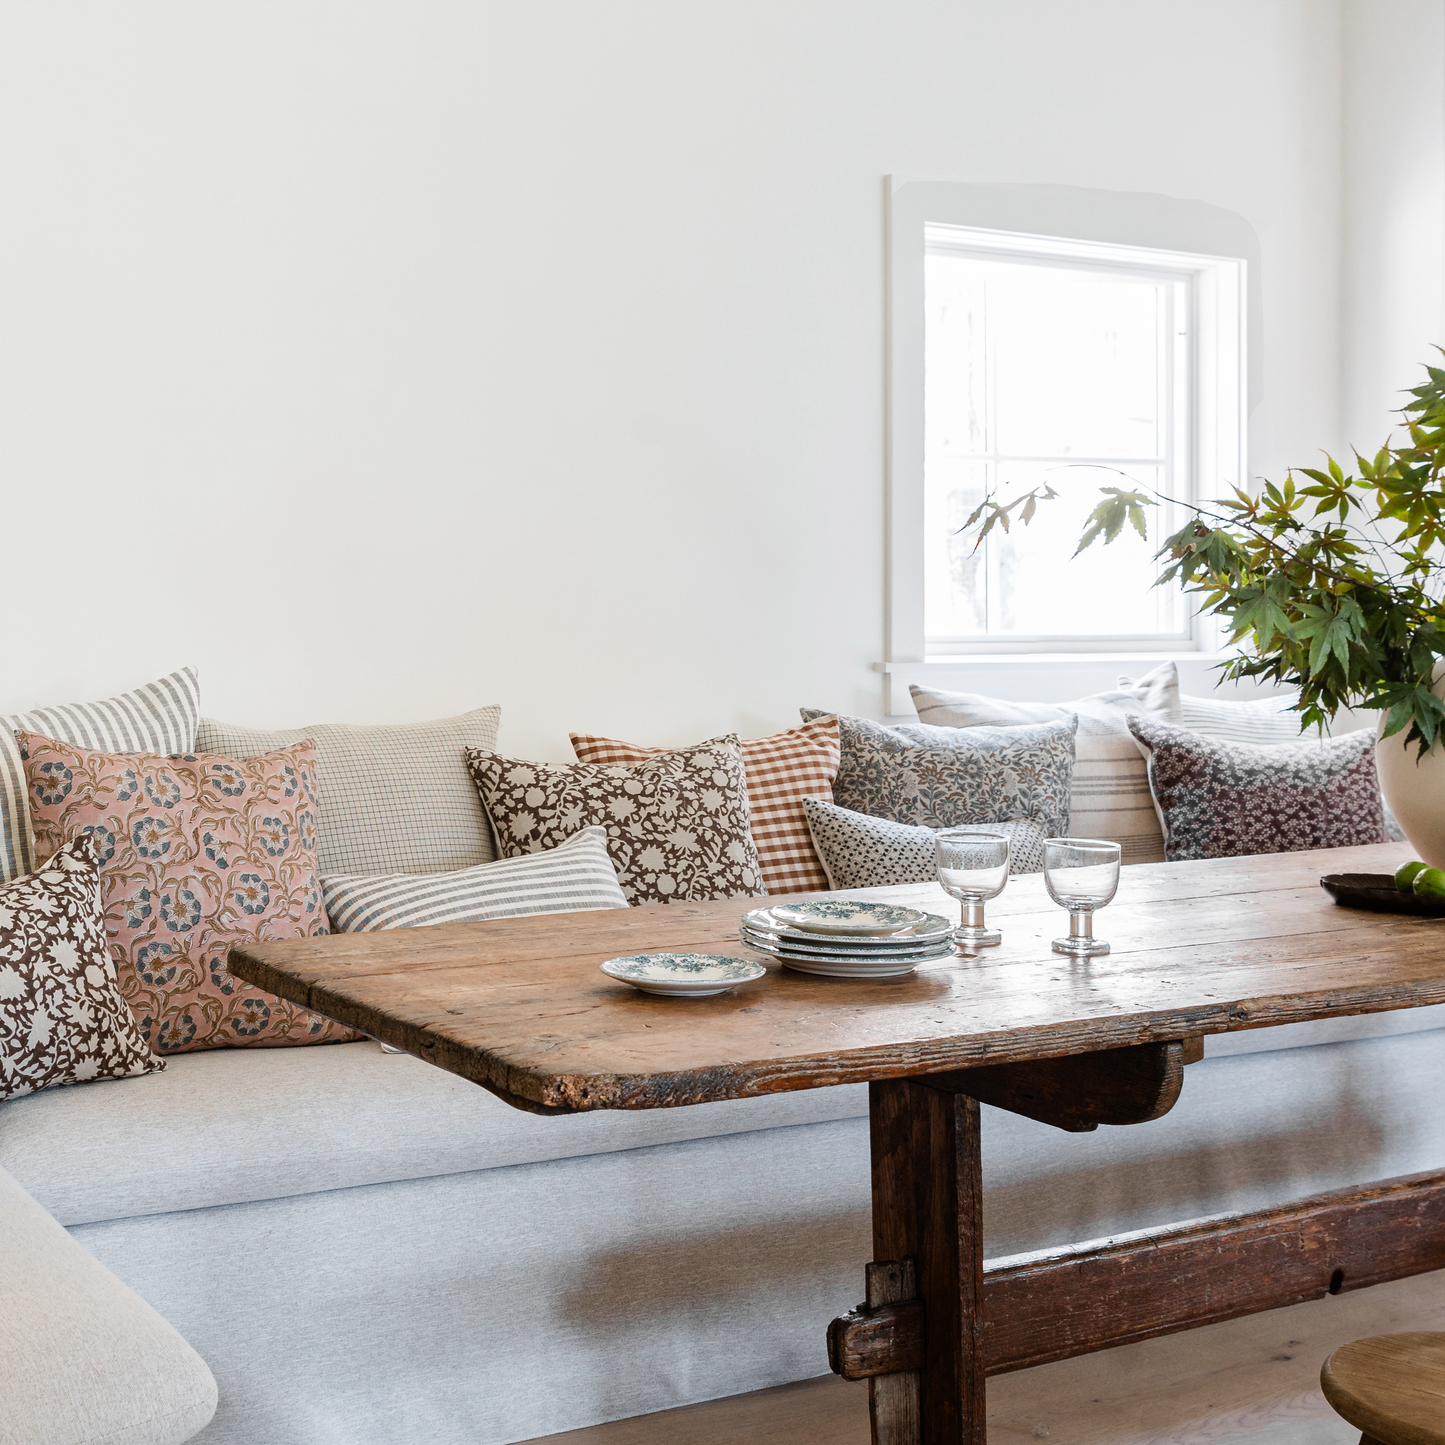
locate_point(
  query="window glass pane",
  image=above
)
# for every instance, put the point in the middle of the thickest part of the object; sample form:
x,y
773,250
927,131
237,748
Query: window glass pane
x,y
955,395
1031,369
1076,363
955,578
1036,585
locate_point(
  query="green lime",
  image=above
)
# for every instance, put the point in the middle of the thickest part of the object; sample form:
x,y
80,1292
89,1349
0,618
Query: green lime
x,y
1406,874
1431,881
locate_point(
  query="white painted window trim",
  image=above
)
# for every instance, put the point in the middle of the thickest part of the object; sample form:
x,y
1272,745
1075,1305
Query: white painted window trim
x,y
1216,247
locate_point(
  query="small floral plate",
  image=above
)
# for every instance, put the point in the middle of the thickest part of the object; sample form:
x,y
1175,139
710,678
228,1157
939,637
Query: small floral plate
x,y
846,915
683,975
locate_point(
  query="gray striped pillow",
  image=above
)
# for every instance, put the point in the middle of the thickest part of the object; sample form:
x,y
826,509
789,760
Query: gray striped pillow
x,y
575,877
160,717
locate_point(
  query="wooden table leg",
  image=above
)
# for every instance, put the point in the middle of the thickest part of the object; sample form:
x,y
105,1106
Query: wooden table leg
x,y
927,1207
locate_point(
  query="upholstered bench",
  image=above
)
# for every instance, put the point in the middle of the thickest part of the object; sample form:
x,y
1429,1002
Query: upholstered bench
x,y
365,1248
82,1358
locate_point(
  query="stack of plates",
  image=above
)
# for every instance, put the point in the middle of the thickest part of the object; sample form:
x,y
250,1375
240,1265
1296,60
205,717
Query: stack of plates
x,y
844,939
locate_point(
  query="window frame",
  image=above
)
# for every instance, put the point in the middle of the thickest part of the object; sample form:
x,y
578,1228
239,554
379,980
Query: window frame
x,y
1090,227
1174,460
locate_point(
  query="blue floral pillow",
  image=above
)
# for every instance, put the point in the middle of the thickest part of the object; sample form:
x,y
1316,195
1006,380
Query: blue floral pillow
x,y
941,777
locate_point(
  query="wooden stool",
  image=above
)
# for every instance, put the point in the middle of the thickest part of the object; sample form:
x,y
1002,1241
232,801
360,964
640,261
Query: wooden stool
x,y
1391,1386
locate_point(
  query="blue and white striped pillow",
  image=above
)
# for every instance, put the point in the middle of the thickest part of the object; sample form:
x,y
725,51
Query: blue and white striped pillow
x,y
575,877
160,717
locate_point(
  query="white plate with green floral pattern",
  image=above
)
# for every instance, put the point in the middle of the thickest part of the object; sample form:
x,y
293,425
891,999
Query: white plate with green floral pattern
x,y
934,929
845,947
847,915
683,975
837,966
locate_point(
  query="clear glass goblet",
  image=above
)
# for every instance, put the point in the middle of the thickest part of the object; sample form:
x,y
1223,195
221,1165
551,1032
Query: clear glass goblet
x,y
1081,874
972,867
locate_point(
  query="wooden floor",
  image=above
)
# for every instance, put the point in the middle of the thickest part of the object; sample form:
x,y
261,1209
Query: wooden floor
x,y
1254,1379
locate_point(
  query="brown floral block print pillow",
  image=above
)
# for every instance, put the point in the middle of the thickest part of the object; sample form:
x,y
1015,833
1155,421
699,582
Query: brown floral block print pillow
x,y
677,823
1219,799
197,854
62,1019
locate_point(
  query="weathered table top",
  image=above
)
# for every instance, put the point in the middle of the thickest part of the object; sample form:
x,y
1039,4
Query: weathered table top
x,y
518,1005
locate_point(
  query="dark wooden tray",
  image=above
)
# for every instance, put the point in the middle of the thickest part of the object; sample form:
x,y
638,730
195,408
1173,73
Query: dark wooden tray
x,y
1377,892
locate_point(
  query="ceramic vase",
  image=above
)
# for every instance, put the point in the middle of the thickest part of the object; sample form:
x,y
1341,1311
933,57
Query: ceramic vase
x,y
1414,787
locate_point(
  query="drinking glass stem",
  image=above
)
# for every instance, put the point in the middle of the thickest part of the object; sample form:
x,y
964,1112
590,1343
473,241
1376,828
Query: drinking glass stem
x,y
973,914
1081,923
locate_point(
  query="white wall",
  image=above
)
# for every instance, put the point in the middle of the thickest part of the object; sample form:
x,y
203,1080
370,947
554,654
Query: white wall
x,y
386,359
1394,206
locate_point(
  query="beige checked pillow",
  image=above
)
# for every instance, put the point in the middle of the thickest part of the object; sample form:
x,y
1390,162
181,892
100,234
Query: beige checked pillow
x,y
781,770
394,799
1110,795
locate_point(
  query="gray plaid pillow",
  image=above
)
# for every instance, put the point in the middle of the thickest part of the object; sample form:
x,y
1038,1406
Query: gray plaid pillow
x,y
394,799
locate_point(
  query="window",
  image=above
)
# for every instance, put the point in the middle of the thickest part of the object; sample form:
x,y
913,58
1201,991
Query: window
x,y
1052,352
1046,370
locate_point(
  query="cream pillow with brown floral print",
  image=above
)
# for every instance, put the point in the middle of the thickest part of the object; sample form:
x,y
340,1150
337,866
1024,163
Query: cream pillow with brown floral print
x,y
197,854
62,1019
677,823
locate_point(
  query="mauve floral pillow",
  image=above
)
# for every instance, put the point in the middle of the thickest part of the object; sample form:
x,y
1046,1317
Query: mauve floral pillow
x,y
1220,799
197,853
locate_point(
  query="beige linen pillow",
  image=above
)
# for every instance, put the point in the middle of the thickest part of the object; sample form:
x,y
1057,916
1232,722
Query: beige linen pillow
x,y
394,799
1110,797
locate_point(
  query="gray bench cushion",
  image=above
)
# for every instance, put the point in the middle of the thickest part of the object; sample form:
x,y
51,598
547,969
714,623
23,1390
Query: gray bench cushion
x,y
235,1125
85,1360
1326,1031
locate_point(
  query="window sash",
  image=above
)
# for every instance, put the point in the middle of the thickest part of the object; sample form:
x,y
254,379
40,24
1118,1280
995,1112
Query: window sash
x,y
1169,469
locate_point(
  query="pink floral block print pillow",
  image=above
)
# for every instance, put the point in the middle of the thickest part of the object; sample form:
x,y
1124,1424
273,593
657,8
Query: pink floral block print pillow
x,y
196,854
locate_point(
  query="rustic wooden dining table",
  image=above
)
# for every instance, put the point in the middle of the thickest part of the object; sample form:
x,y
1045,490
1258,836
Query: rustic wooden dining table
x,y
520,1007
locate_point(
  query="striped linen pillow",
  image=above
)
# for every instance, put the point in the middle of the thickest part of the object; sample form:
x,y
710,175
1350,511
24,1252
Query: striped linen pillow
x,y
1263,720
1257,721
781,771
575,877
160,717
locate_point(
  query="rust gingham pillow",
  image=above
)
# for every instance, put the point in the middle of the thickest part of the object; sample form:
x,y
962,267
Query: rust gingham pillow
x,y
781,771
196,853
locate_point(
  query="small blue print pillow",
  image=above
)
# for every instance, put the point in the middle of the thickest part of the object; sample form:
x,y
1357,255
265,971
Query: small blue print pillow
x,y
942,777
